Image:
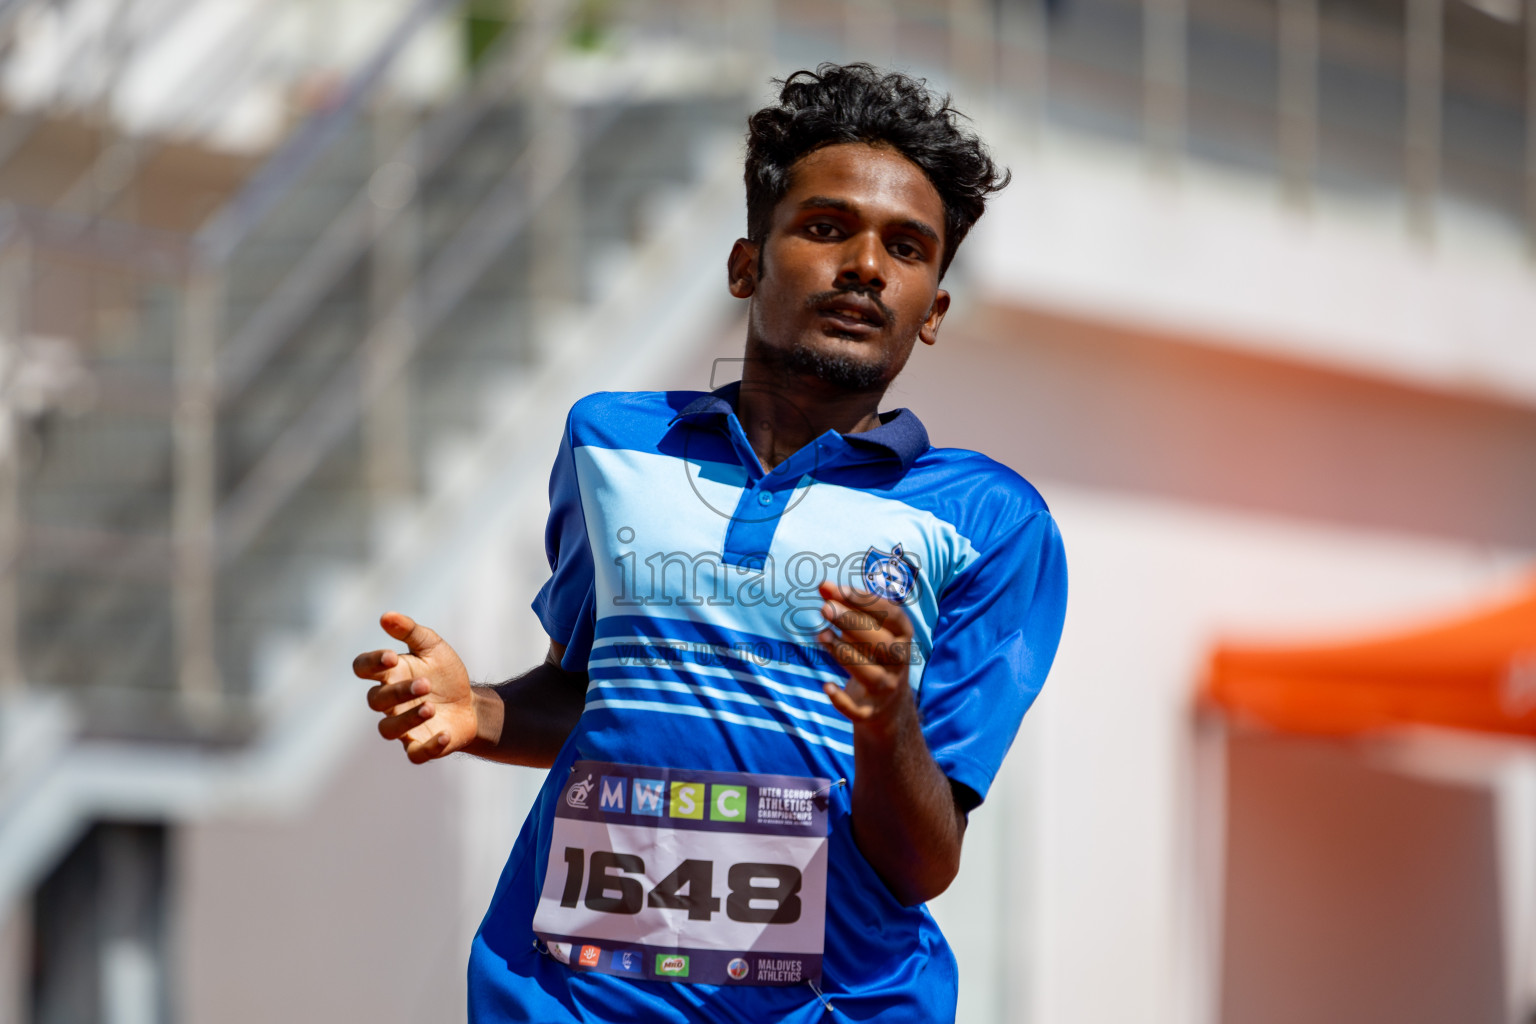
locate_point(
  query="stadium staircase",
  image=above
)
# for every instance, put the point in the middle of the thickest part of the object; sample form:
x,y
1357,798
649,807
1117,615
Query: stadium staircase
x,y
249,438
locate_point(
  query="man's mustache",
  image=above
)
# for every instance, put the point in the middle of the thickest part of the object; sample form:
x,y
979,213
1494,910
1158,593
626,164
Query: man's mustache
x,y
821,298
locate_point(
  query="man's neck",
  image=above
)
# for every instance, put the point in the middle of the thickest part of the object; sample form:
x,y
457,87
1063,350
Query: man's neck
x,y
782,413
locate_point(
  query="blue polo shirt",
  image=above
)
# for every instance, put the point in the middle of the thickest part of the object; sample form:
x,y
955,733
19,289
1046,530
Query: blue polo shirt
x,y
666,532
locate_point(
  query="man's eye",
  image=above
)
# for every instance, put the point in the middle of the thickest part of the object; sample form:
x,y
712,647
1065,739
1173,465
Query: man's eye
x,y
906,251
821,229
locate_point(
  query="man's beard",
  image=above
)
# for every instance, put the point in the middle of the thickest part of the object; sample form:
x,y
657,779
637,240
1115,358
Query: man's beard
x,y
838,369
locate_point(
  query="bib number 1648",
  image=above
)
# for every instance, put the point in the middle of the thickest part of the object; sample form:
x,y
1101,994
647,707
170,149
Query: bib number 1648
x,y
756,893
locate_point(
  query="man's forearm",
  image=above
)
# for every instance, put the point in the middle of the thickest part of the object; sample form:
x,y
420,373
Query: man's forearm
x,y
526,720
904,815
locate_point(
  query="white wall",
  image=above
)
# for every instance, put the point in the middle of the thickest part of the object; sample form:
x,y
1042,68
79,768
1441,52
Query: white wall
x,y
1083,227
1117,914
1154,587
1099,791
1091,889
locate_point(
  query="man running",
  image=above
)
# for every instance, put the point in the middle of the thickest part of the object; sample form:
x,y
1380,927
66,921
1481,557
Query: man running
x,y
790,641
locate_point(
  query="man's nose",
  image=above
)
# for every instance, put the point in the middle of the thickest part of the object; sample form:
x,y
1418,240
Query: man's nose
x,y
863,262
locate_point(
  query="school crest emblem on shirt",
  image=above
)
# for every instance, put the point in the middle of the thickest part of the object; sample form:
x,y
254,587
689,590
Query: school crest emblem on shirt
x,y
888,574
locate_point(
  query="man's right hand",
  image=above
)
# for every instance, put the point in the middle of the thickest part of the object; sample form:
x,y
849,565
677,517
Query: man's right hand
x,y
424,694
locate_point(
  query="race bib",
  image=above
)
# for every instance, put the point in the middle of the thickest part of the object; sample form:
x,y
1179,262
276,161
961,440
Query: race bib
x,y
663,874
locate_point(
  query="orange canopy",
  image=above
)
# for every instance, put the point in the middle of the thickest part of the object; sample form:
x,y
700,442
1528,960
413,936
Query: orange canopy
x,y
1477,671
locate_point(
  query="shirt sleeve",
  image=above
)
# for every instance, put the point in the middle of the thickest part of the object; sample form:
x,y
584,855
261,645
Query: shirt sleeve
x,y
566,604
998,627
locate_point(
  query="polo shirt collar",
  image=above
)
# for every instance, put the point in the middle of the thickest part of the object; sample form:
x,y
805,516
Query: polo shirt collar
x,y
900,435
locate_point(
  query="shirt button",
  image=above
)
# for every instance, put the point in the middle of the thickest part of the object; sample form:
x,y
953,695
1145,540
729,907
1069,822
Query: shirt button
x,y
764,498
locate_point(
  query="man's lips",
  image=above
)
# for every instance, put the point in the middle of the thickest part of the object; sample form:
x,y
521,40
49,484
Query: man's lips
x,y
853,311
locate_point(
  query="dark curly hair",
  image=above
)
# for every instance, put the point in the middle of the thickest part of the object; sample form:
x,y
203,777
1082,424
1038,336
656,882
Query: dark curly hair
x,y
859,103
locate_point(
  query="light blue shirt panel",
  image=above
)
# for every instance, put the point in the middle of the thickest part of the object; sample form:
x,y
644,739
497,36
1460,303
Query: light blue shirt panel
x,y
670,565
831,518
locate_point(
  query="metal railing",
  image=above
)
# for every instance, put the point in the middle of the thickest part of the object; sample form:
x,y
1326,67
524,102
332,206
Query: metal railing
x,y
184,529
44,249
208,91
195,519
1416,100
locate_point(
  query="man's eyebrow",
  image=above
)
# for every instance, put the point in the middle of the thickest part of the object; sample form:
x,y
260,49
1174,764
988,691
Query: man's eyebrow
x,y
827,203
917,227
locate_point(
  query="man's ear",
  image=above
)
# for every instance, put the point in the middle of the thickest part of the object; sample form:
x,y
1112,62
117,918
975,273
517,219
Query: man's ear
x,y
741,268
929,332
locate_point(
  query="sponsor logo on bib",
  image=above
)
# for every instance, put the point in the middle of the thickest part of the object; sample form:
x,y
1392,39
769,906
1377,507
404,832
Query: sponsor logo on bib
x,y
737,969
688,800
779,970
728,803
589,955
610,794
672,966
576,796
650,795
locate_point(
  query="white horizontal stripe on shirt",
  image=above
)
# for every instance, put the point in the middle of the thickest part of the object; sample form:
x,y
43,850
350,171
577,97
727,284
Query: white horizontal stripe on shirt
x,y
698,689
811,693
725,650
694,711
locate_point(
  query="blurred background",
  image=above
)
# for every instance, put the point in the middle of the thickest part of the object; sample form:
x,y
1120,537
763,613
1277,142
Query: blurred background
x,y
294,295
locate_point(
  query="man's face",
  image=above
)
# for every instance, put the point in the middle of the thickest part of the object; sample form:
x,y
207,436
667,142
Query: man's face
x,y
848,277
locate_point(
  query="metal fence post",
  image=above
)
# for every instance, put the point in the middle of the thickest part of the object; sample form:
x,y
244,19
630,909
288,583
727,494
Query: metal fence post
x,y
195,488
556,228
1530,127
762,19
1025,29
15,280
1297,142
395,191
1422,132
869,32
1163,68
972,46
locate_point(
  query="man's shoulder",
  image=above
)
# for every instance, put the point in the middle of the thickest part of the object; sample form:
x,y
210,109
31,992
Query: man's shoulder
x,y
619,419
980,495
